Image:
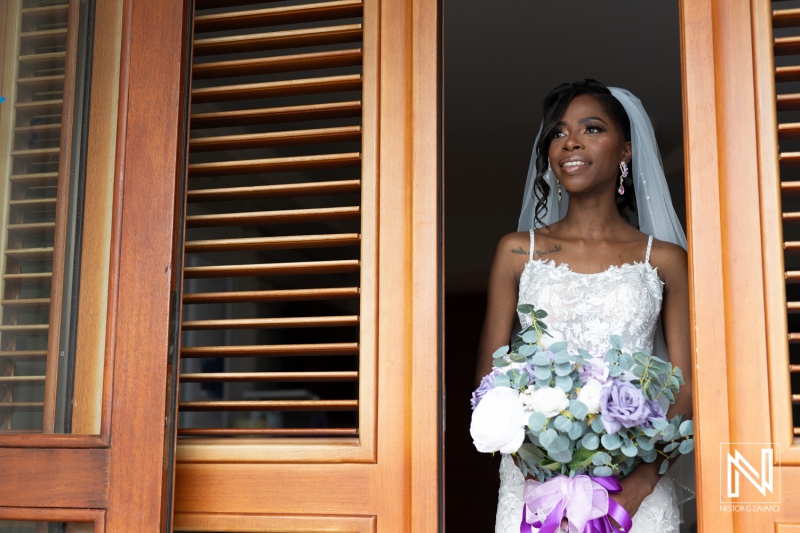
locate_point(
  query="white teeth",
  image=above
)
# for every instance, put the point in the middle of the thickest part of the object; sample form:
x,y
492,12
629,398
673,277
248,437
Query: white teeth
x,y
573,163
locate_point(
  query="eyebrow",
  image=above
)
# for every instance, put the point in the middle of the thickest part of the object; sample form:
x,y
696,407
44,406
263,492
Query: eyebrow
x,y
582,121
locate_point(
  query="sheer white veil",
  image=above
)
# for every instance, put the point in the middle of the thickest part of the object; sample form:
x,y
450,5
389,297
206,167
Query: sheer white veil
x,y
656,217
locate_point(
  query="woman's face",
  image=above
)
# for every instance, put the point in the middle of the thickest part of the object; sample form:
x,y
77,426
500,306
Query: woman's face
x,y
587,148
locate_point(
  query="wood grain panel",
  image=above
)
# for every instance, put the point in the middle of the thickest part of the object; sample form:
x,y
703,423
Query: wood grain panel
x,y
275,523
49,477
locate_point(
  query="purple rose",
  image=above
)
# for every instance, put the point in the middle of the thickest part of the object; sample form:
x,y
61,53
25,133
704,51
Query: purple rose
x,y
656,412
622,404
596,368
487,384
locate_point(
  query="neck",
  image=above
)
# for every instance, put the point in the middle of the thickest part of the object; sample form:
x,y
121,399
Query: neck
x,y
592,217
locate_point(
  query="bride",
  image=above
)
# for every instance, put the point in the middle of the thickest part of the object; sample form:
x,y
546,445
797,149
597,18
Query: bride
x,y
595,167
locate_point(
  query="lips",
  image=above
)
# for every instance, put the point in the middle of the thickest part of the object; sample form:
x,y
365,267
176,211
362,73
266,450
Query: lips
x,y
573,164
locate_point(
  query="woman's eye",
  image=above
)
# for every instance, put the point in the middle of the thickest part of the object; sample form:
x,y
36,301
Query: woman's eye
x,y
557,134
594,128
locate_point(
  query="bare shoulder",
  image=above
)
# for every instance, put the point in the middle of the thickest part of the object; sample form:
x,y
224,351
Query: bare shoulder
x,y
670,259
517,243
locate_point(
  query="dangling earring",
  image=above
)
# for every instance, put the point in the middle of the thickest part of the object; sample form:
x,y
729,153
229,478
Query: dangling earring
x,y
559,189
623,167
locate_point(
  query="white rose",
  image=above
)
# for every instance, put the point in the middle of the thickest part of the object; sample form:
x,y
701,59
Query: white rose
x,y
498,423
590,395
549,401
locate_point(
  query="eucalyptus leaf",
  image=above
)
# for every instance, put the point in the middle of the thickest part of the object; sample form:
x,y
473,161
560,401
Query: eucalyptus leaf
x,y
612,357
502,380
615,371
626,361
611,441
527,350
616,341
563,456
660,423
562,424
558,347
561,358
578,409
601,458
597,425
542,372
590,441
563,369
560,444
663,468
500,352
525,309
650,456
564,383
686,446
671,446
530,337
686,428
644,443
638,371
523,380
669,395
541,359
537,420
668,433
541,313
629,450
500,363
517,358
547,437
576,430
583,353
602,471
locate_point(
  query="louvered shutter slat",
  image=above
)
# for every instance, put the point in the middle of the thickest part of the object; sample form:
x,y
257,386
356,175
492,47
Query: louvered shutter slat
x,y
268,191
263,140
277,164
242,67
276,115
292,295
273,217
277,88
268,432
346,33
208,377
273,243
271,405
272,350
278,15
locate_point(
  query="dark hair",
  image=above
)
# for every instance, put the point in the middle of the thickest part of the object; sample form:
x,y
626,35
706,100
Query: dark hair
x,y
554,106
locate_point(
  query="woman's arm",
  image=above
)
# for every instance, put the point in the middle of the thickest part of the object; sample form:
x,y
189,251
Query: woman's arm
x,y
671,261
501,305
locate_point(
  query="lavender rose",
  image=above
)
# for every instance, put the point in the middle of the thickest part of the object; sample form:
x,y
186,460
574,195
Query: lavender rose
x,y
596,368
622,404
656,412
487,384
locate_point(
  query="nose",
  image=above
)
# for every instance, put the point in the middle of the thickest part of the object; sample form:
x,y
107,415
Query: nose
x,y
572,142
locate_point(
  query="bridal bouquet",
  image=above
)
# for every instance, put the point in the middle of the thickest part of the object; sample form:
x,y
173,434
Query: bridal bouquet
x,y
576,421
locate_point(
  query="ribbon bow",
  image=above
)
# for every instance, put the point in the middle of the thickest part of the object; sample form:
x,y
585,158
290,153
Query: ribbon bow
x,y
582,500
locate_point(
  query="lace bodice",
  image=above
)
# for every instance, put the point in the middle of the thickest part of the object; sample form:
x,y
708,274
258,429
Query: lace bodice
x,y
585,309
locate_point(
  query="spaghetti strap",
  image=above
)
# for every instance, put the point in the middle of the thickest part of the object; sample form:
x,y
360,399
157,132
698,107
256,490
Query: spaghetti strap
x,y
649,245
530,254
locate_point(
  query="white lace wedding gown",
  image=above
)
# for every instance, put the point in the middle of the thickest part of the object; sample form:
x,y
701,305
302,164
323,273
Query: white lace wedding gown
x,y
584,310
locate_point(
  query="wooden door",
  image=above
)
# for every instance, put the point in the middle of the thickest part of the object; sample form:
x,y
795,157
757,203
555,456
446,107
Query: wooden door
x,y
312,278
739,98
102,463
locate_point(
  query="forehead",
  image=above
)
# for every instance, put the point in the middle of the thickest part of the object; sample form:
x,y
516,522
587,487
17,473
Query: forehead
x,y
583,106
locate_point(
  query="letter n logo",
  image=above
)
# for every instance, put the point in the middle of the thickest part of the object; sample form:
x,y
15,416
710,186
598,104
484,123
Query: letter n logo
x,y
761,480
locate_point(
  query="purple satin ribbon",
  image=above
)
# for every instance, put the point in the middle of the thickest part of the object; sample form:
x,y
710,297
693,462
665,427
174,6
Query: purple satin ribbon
x,y
576,488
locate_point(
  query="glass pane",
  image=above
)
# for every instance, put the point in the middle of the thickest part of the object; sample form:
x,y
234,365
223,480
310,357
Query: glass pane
x,y
15,526
44,134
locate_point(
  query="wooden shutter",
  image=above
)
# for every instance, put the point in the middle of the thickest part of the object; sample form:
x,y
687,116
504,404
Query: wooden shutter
x,y
112,473
786,27
311,288
279,252
39,65
740,99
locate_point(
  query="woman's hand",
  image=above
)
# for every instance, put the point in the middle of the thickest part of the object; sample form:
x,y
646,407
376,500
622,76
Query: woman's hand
x,y
637,486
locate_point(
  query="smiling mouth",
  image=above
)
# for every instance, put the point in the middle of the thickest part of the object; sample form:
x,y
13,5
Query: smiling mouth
x,y
573,164
570,167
